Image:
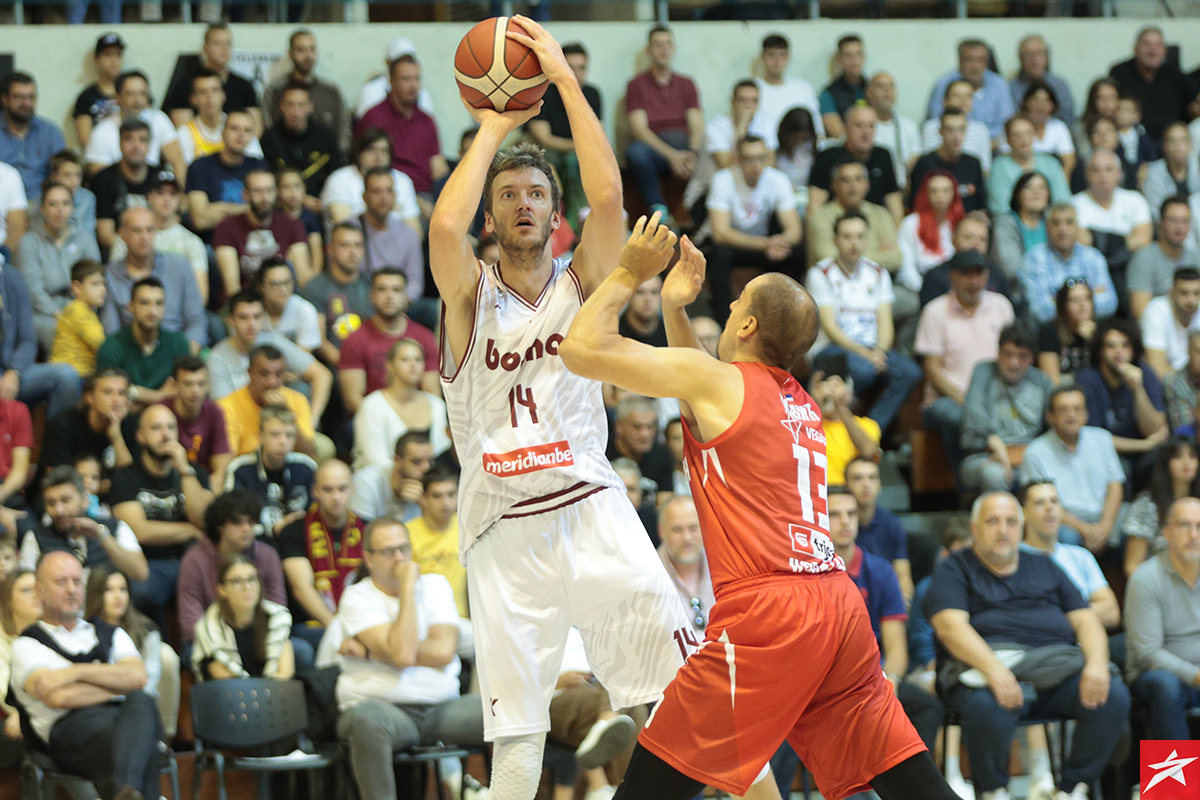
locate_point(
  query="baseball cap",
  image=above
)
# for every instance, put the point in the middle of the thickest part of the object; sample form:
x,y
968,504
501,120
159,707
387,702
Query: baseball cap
x,y
162,177
969,259
400,46
108,40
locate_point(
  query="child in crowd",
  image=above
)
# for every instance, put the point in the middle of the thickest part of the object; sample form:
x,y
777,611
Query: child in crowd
x,y
1137,148
66,167
94,483
80,332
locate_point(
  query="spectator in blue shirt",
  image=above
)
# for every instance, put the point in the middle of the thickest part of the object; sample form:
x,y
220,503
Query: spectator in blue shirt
x,y
27,141
1125,397
1034,55
879,531
993,98
1047,266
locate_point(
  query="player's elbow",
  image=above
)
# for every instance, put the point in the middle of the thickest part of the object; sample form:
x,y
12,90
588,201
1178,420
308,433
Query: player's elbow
x,y
575,352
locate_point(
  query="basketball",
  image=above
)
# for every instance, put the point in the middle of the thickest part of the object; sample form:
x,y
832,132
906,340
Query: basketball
x,y
493,71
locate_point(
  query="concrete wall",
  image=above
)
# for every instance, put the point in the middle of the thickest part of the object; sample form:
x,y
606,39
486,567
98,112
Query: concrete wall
x,y
716,54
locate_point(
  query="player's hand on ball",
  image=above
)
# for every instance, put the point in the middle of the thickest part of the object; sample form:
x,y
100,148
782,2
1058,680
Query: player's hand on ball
x,y
507,121
549,52
649,248
683,283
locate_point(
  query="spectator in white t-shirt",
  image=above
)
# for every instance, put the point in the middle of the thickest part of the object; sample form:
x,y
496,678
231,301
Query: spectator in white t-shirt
x,y
723,131
746,202
898,134
1051,135
1168,320
855,298
342,196
133,98
779,93
14,208
1104,207
287,313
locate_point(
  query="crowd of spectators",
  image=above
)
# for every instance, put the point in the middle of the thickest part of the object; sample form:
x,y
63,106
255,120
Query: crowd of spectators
x,y
223,431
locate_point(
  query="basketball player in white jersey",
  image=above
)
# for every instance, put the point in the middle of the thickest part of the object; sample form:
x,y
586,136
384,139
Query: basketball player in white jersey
x,y
548,536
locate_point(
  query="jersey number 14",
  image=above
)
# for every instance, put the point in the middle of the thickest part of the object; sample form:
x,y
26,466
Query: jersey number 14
x,y
521,396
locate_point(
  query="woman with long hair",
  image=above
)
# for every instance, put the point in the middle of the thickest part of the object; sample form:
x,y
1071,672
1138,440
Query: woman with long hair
x,y
1102,99
242,635
1023,225
926,236
1065,341
798,142
1176,475
19,608
108,600
388,413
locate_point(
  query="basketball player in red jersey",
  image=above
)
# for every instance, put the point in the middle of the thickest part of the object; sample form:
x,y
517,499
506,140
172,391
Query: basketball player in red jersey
x,y
789,651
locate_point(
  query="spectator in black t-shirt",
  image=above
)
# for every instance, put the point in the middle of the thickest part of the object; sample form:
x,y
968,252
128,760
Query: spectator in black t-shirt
x,y
860,146
99,100
635,436
642,318
125,184
847,88
1163,90
163,497
214,55
996,596
551,130
216,184
98,429
965,168
302,142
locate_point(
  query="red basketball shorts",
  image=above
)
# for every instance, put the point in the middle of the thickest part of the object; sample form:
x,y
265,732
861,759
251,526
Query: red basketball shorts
x,y
784,657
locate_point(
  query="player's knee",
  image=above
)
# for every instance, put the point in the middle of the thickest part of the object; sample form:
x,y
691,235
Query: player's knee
x,y
517,767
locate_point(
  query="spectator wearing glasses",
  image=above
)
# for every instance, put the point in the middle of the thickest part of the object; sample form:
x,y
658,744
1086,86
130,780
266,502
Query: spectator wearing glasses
x,y
286,313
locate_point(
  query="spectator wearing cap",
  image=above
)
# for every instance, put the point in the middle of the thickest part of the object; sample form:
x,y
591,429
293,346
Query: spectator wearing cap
x,y
244,241
301,141
46,253
1163,90
375,91
415,148
993,99
170,236
98,101
328,106
133,100
1047,266
956,332
125,184
27,141
215,55
184,311
970,247
203,134
1034,55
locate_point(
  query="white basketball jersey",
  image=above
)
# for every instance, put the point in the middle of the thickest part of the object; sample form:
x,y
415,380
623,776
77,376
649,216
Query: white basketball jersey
x,y
530,435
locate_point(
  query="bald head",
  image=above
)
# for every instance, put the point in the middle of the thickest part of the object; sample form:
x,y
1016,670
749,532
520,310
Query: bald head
x,y
331,491
331,470
787,316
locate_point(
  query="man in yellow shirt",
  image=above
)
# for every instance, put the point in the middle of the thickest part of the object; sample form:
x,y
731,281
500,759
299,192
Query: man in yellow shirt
x,y
434,538
846,436
243,408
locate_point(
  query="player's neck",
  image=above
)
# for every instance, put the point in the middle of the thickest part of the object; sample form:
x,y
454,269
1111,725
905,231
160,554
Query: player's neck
x,y
526,274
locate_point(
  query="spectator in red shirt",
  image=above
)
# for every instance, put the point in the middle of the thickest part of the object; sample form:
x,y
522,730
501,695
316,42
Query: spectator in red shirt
x,y
415,148
16,451
202,429
242,242
665,119
363,366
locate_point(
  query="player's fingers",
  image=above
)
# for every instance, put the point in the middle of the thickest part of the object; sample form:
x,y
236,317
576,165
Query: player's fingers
x,y
636,231
651,226
523,38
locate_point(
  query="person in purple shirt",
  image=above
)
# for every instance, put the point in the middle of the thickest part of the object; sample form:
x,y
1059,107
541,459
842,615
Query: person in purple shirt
x,y
26,140
879,531
415,148
202,430
1125,397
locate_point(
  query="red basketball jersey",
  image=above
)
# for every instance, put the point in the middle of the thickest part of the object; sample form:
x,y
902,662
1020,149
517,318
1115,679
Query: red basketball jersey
x,y
759,487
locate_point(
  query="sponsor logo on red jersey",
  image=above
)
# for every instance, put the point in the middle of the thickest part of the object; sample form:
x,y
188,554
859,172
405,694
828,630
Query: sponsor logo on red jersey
x,y
529,459
1170,769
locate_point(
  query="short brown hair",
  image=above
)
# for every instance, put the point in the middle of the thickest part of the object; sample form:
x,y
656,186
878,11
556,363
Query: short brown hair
x,y
521,156
788,319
